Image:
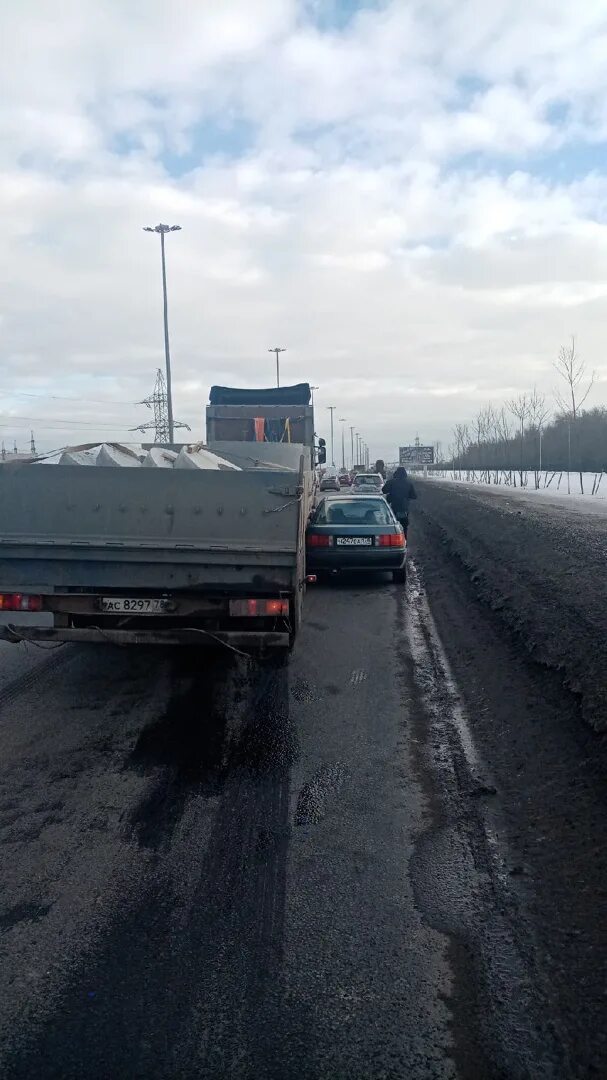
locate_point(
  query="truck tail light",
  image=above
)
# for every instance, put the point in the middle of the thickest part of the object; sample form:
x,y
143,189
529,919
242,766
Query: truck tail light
x,y
318,540
259,608
20,602
396,540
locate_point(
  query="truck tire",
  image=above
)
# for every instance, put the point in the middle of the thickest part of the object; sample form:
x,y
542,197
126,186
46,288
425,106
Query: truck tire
x,y
399,577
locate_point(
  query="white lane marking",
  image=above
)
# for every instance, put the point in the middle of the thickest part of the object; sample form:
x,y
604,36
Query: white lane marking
x,y
445,706
358,677
440,689
497,938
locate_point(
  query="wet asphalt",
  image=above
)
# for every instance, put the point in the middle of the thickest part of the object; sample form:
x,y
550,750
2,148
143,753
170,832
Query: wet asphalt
x,y
210,868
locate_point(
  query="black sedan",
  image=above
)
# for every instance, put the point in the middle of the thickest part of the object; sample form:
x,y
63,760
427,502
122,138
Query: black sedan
x,y
356,533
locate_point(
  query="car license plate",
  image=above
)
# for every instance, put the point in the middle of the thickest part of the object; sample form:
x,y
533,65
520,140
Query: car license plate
x,y
134,605
354,541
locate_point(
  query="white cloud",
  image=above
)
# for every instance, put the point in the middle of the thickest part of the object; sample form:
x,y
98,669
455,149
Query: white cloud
x,y
373,195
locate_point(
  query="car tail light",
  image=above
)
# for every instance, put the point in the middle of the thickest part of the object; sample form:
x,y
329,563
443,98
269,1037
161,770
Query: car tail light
x,y
318,540
258,608
20,602
396,540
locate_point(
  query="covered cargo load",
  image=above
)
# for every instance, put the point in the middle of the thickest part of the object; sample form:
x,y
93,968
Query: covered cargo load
x,y
153,555
300,394
198,457
281,415
118,455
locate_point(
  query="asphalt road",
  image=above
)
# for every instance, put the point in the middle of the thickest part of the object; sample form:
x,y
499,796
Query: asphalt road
x,y
374,862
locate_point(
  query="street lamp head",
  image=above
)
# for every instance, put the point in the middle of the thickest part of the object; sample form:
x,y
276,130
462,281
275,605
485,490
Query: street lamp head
x,y
275,350
162,228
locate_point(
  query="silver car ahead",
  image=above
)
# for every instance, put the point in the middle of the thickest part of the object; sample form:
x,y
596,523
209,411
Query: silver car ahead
x,y
367,484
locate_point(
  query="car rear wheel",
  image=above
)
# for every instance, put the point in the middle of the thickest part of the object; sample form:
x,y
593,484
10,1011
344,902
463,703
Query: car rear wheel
x,y
399,577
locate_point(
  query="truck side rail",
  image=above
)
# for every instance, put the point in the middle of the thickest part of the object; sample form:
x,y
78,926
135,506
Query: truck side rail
x,y
61,505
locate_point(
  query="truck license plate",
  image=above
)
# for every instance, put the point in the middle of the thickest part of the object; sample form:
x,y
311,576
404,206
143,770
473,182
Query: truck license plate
x,y
134,605
354,541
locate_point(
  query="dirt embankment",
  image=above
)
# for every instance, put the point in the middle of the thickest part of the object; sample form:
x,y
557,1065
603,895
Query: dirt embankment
x,y
544,568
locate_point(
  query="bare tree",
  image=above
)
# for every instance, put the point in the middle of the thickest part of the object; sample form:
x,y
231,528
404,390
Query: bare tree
x,y
492,441
519,407
462,442
514,448
538,414
480,430
572,371
504,435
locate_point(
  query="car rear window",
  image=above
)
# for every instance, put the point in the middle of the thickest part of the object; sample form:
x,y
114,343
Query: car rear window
x,y
354,512
368,481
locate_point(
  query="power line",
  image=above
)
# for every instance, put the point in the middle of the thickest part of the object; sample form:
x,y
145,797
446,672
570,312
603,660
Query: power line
x,y
57,421
58,397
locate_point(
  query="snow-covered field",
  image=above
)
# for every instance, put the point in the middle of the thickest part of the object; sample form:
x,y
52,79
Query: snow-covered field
x,y
546,484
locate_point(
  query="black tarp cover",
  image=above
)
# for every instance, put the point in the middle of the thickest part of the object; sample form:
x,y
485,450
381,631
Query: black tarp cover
x,y
299,394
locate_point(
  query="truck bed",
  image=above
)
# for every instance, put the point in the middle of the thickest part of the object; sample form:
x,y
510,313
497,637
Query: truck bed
x,y
69,532
82,526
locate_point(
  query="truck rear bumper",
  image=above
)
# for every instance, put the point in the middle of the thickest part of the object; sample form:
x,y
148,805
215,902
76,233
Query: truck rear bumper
x,y
247,641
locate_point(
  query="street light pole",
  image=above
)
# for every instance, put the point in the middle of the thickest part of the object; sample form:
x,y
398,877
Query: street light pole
x,y
342,421
332,409
161,230
352,444
278,352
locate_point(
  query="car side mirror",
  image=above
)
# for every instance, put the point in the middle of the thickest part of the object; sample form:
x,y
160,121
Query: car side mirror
x,y
322,452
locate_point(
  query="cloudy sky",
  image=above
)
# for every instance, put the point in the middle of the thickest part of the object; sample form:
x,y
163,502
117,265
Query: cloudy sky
x,y
410,195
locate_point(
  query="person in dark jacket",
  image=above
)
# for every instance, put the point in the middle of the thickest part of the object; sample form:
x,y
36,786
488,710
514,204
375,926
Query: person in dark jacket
x,y
399,492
